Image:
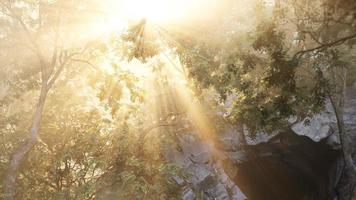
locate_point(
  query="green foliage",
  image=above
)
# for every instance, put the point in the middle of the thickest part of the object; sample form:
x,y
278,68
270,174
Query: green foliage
x,y
86,152
263,63
91,131
139,43
267,82
272,62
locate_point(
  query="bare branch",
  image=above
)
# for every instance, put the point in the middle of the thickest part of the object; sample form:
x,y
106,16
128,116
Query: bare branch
x,y
163,123
85,62
323,46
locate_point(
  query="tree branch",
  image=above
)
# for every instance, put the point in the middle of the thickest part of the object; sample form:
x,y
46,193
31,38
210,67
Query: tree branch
x,y
85,62
323,46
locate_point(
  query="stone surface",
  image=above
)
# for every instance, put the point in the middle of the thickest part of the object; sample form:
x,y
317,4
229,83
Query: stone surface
x,y
288,166
268,159
318,127
205,175
323,125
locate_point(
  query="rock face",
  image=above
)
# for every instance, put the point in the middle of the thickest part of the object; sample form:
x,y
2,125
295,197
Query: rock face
x,y
206,176
343,187
308,166
302,163
323,125
287,167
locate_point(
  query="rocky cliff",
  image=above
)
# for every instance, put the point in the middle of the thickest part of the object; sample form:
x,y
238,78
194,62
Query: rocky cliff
x,y
302,163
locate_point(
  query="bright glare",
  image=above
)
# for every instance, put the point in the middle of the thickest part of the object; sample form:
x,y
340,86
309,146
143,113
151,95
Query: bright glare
x,y
155,10
161,11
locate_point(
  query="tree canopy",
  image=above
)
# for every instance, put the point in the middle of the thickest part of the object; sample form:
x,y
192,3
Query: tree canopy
x,y
76,115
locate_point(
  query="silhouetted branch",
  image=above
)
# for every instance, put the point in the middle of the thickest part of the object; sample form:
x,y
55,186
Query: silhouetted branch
x,y
299,54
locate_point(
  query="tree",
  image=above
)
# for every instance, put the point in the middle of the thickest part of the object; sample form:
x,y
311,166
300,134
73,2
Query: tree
x,y
279,60
73,150
268,78
327,35
50,70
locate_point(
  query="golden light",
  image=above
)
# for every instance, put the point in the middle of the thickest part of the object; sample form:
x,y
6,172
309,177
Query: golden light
x,y
177,96
155,10
161,11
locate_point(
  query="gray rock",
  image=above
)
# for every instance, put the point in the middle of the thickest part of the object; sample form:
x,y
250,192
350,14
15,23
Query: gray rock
x,y
324,125
317,128
198,173
237,156
188,194
200,161
259,137
218,192
231,138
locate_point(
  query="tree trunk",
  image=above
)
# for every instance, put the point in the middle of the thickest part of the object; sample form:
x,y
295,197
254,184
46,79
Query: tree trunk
x,y
20,153
349,173
346,142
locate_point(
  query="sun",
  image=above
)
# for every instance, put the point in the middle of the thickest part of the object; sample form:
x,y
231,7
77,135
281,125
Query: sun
x,y
155,10
160,11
